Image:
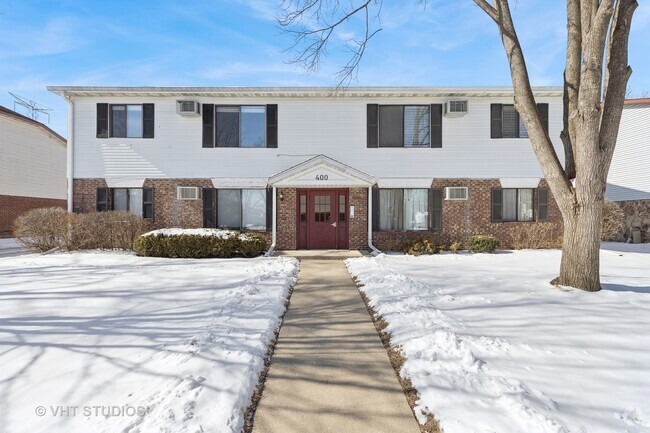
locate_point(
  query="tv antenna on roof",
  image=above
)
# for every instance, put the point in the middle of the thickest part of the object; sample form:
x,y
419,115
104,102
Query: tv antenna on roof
x,y
34,108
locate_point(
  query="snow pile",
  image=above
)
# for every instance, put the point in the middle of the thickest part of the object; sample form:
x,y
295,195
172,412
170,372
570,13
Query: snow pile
x,y
491,346
110,342
219,233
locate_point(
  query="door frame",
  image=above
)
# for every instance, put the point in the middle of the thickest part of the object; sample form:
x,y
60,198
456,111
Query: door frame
x,y
303,229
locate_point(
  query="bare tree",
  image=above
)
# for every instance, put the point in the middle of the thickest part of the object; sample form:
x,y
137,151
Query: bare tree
x,y
595,81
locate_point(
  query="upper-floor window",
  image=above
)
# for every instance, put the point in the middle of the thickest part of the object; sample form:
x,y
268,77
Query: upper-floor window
x,y
404,125
125,120
240,126
506,122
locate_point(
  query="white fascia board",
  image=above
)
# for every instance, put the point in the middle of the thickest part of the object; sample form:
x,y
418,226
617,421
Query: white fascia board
x,y
239,182
125,182
404,182
519,182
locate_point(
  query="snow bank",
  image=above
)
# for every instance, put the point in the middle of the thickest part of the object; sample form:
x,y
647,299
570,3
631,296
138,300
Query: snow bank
x,y
110,342
491,346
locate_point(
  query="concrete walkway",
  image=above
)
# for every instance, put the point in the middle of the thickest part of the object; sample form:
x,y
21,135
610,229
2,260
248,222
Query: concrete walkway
x,y
330,372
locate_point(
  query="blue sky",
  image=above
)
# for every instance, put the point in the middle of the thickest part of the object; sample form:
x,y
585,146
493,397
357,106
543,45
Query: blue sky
x,y
236,42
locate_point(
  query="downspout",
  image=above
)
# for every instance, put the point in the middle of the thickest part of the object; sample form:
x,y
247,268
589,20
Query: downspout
x,y
374,250
70,154
274,225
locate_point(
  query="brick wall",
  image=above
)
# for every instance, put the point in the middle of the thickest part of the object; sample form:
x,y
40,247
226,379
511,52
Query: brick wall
x,y
11,207
460,219
637,217
359,224
464,218
286,230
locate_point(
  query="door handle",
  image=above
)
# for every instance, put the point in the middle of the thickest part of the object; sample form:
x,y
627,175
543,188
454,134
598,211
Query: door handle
x,y
333,224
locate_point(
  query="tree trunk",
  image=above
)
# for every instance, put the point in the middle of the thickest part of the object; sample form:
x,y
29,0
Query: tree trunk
x,y
581,247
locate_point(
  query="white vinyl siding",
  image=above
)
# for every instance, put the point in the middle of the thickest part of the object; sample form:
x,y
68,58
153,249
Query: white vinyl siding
x,y
32,160
335,127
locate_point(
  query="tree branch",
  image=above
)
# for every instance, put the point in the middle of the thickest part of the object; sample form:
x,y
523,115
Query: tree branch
x,y
488,9
571,85
617,75
312,24
527,108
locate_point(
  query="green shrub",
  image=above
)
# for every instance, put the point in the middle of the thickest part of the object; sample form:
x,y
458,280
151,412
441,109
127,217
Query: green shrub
x,y
483,243
195,246
417,247
455,247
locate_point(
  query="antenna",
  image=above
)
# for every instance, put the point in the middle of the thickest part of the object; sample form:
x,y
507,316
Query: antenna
x,y
34,108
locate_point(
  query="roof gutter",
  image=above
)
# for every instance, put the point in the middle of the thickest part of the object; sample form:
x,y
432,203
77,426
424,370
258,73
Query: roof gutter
x,y
374,250
269,253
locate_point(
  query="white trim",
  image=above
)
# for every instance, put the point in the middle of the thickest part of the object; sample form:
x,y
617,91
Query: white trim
x,y
239,182
69,153
372,247
321,172
519,182
125,182
274,224
404,182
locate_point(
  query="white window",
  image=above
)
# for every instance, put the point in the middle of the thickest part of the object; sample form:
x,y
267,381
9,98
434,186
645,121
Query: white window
x,y
403,209
241,209
456,193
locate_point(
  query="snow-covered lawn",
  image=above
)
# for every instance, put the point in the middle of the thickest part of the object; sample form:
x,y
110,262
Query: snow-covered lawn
x,y
110,342
491,346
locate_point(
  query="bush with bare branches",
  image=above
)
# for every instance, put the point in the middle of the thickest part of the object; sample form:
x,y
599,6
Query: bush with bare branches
x,y
612,228
536,236
48,228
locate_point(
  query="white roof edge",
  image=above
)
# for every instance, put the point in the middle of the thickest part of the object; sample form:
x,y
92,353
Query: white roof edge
x,y
239,182
404,182
315,161
301,91
519,182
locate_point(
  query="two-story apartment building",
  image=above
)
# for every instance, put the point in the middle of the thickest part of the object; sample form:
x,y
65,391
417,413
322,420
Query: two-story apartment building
x,y
32,167
313,168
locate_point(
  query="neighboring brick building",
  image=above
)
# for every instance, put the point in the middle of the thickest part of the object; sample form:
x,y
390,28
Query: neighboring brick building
x,y
32,167
314,169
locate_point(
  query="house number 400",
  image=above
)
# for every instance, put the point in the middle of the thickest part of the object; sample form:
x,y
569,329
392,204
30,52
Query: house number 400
x,y
321,177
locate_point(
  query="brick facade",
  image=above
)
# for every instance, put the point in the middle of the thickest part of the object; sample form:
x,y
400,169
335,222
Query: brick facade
x,y
637,217
464,218
460,219
11,207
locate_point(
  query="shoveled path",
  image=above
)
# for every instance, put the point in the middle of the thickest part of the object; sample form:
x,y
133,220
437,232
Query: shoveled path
x,y
330,371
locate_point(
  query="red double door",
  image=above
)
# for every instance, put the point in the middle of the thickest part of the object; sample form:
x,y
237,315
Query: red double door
x,y
322,219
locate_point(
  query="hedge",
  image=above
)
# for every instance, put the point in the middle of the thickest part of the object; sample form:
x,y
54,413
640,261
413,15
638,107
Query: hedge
x,y
196,246
483,243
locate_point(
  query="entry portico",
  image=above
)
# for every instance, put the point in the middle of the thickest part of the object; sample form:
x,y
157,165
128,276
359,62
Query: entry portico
x,y
324,212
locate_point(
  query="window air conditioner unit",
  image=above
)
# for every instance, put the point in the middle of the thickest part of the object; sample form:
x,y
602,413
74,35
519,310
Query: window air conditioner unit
x,y
188,108
188,193
456,108
456,193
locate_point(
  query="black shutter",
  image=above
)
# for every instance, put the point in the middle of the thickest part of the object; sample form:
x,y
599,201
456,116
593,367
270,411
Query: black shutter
x,y
542,204
272,126
147,120
497,205
375,209
147,203
436,125
543,113
208,125
102,120
269,209
373,126
209,220
102,200
435,209
496,120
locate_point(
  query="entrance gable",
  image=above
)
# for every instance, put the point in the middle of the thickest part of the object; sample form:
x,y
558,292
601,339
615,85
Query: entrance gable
x,y
321,172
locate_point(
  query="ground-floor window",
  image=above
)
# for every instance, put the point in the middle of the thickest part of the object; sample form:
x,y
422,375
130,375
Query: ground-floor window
x,y
239,209
513,204
136,200
403,209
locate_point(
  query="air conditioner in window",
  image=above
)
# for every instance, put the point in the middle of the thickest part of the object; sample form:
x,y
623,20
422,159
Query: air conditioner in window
x,y
188,108
456,193
188,193
456,108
